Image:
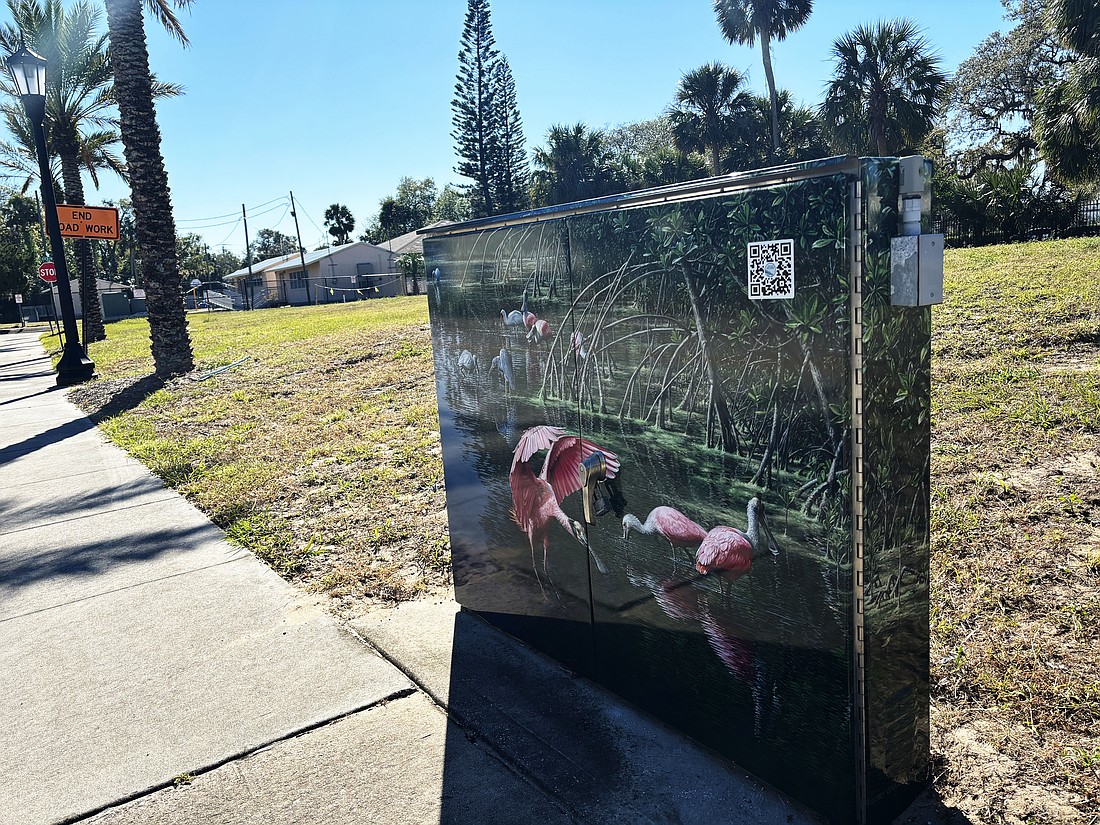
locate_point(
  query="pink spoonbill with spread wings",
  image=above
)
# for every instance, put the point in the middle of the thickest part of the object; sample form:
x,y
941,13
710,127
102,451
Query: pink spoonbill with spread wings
x,y
536,499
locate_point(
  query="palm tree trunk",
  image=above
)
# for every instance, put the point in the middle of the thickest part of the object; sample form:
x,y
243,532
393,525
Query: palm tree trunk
x,y
766,49
715,160
90,306
156,228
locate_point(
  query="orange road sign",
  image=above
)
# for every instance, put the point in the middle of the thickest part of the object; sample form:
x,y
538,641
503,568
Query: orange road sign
x,y
99,223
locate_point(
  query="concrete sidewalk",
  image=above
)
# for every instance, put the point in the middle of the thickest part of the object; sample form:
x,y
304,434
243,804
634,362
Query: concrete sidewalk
x,y
151,672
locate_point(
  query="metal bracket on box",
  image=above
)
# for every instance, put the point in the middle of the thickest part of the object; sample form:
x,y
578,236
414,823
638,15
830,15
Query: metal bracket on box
x,y
916,258
916,270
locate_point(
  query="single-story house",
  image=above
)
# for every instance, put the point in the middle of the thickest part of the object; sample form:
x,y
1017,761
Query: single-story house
x,y
265,287
338,273
411,243
114,299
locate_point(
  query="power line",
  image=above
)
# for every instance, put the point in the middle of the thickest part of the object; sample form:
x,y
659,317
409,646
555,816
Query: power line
x,y
282,198
315,226
230,235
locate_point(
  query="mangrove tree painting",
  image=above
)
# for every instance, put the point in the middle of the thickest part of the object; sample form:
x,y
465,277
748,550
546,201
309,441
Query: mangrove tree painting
x,y
699,352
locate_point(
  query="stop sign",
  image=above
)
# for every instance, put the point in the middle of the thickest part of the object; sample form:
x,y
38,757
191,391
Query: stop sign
x,y
47,273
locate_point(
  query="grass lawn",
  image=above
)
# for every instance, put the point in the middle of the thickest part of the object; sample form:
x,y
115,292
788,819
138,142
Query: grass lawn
x,y
321,454
1016,532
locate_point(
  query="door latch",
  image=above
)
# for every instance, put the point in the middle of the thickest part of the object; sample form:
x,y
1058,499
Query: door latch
x,y
593,473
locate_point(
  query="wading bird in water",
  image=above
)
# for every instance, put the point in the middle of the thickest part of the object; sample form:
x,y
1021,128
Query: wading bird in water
x,y
511,319
540,330
670,523
731,551
467,362
536,499
503,362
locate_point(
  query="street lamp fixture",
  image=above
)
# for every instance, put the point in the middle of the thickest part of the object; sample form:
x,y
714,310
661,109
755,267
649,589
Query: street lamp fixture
x,y
28,70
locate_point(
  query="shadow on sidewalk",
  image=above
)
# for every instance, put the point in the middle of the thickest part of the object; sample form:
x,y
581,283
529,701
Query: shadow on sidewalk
x,y
23,513
54,435
12,365
135,543
521,708
25,397
24,375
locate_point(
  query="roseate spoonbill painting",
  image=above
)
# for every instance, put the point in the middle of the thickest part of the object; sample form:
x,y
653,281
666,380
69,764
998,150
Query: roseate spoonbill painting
x,y
536,499
539,331
731,551
529,317
668,522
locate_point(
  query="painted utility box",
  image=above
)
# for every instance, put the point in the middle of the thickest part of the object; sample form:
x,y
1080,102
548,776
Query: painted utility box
x,y
686,442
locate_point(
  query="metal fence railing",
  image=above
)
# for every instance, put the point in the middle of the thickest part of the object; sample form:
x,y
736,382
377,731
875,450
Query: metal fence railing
x,y
971,230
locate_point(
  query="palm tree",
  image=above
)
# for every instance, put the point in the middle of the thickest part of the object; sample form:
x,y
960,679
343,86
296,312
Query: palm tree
x,y
78,97
801,134
1067,122
156,228
885,89
711,109
340,223
742,21
575,165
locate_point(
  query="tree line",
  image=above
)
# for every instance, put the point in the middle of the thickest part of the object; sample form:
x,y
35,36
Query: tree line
x,y
1023,112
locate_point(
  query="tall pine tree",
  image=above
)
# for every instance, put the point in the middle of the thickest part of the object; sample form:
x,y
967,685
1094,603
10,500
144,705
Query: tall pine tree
x,y
510,158
474,118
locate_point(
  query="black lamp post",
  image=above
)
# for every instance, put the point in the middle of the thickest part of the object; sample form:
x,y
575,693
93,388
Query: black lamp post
x,y
29,72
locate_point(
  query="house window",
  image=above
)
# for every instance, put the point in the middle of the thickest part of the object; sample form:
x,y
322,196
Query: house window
x,y
298,279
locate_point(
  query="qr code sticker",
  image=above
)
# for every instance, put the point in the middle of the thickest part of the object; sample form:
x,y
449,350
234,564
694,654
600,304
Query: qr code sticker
x,y
771,269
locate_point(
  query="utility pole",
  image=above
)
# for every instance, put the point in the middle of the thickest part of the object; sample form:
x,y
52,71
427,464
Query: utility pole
x,y
301,249
248,255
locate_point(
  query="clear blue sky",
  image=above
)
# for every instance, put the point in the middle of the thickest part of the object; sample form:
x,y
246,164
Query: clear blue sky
x,y
338,99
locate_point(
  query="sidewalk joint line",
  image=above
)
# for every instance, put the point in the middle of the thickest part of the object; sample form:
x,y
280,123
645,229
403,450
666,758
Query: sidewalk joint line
x,y
243,754
244,555
106,512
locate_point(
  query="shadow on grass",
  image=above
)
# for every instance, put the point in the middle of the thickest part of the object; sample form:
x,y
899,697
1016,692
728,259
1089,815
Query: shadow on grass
x,y
105,399
930,808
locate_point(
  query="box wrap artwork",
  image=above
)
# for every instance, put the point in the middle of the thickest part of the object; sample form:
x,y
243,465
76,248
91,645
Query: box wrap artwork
x,y
722,362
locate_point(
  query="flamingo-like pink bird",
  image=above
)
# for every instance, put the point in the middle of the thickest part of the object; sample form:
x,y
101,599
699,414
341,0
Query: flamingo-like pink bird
x,y
536,500
670,523
540,330
731,551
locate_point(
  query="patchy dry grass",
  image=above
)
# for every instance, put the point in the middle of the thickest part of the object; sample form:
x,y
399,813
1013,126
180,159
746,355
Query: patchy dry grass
x,y
320,453
1016,532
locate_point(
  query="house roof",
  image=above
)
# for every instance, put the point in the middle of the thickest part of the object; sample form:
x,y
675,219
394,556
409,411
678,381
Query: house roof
x,y
411,241
260,266
321,254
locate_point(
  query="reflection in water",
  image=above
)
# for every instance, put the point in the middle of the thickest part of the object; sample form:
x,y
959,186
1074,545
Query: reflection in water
x,y
680,600
506,423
